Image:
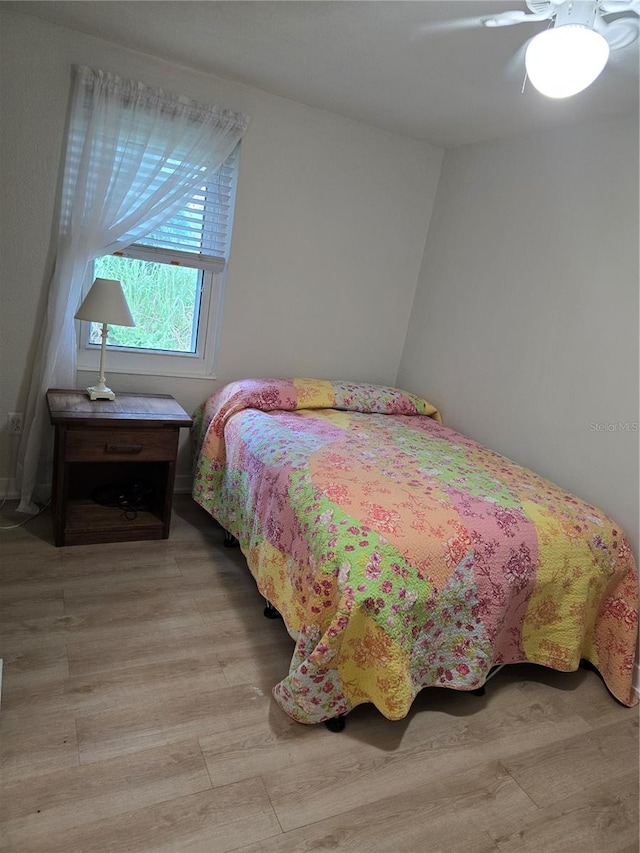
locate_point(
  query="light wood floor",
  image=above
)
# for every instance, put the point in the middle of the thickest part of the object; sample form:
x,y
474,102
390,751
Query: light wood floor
x,y
137,716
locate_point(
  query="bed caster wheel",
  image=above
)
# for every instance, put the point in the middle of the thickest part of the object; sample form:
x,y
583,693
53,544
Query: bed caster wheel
x,y
230,541
479,692
336,724
270,611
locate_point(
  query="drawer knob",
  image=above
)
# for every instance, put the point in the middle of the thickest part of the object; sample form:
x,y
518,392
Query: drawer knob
x,y
123,448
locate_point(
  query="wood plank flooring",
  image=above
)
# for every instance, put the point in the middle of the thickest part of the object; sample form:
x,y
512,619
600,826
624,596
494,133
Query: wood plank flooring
x,y
137,716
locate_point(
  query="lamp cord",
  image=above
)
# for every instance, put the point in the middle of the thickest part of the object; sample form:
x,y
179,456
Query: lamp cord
x,y
26,521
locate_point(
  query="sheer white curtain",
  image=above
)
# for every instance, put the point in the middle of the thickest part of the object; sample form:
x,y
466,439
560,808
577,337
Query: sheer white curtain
x,y
134,157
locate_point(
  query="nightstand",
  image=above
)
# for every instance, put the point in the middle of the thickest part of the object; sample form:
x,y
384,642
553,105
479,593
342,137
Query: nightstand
x,y
107,447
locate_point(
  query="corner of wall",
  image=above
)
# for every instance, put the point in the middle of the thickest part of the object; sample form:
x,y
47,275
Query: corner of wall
x,y
434,203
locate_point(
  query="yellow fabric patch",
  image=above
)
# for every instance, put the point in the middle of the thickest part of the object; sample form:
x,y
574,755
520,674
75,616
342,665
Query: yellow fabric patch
x,y
337,417
269,568
373,668
563,605
314,394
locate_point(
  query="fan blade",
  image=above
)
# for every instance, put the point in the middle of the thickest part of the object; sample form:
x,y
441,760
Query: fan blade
x,y
449,26
611,7
503,19
508,19
620,33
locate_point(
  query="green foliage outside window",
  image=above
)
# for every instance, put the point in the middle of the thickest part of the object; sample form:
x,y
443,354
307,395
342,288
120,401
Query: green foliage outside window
x,y
164,301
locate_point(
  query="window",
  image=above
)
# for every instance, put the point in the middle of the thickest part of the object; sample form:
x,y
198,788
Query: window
x,y
173,280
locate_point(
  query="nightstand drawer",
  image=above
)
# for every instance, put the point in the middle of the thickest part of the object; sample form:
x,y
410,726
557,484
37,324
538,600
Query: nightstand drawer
x,y
113,445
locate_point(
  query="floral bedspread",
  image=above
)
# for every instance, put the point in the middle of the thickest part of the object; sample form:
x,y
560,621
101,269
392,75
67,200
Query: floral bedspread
x,y
402,554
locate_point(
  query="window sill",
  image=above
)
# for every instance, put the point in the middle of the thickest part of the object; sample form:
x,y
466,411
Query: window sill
x,y
188,369
183,374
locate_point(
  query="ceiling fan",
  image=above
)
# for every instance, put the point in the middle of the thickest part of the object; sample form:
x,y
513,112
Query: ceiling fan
x,y
573,50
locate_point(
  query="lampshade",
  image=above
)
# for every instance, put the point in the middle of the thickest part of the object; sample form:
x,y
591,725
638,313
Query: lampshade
x,y
565,60
105,303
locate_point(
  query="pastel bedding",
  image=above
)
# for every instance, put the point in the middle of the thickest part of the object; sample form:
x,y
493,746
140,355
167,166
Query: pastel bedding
x,y
403,555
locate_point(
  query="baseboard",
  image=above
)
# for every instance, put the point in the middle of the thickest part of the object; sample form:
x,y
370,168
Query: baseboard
x,y
183,484
8,489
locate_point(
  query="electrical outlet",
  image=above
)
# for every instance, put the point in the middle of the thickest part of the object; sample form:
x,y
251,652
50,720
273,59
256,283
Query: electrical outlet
x,y
15,422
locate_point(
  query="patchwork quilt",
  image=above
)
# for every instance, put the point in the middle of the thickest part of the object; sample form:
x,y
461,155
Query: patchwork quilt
x,y
402,554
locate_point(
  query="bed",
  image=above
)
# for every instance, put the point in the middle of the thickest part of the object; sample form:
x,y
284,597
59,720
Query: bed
x,y
403,555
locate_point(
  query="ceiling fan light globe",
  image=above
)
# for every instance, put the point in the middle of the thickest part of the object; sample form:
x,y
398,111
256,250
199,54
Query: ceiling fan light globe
x,y
563,61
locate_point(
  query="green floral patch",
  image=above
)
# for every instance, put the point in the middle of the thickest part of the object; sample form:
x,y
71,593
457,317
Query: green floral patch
x,y
449,463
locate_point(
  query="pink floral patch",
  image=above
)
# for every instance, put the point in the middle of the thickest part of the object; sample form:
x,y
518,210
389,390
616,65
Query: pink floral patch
x,y
455,551
336,492
335,460
382,519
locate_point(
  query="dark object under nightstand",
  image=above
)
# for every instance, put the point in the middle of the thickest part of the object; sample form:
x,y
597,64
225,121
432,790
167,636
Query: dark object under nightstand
x,y
106,447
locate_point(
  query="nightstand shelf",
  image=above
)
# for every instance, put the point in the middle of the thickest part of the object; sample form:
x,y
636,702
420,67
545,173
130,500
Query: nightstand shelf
x,y
108,524
104,446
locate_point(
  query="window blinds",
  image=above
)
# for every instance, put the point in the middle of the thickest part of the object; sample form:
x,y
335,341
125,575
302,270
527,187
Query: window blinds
x,y
198,235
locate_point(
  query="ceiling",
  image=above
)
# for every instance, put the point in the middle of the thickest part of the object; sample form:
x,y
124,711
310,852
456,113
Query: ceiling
x,y
393,64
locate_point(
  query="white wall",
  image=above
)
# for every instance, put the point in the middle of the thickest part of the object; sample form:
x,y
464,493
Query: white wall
x,y
524,329
330,223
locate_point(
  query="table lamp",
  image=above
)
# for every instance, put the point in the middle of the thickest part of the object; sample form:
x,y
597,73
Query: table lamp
x,y
104,303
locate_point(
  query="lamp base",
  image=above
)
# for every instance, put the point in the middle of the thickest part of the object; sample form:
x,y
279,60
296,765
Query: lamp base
x,y
97,393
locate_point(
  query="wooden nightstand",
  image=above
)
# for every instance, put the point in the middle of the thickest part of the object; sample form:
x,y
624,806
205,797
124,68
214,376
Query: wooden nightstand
x,y
104,448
